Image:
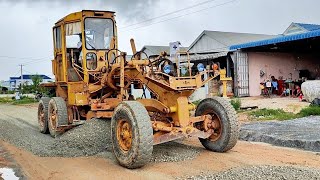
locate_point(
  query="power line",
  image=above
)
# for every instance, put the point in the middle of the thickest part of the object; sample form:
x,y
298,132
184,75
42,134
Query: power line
x,y
26,58
167,14
32,62
218,5
35,60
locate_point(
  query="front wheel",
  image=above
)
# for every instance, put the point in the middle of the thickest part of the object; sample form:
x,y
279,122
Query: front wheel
x,y
132,134
224,124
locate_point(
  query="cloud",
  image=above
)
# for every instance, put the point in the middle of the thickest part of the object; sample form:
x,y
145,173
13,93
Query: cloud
x,y
131,10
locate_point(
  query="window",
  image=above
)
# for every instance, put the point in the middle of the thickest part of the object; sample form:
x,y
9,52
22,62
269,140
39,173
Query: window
x,y
57,37
98,33
73,35
91,61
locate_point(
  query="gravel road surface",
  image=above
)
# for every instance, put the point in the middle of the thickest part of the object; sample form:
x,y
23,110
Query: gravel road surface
x,y
90,147
262,173
301,133
19,127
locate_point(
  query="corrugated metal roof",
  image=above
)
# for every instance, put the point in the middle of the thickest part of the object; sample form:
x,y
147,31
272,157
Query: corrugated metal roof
x,y
156,50
309,27
276,40
224,40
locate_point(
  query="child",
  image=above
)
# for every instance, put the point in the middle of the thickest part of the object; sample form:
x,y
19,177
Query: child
x,y
297,92
285,92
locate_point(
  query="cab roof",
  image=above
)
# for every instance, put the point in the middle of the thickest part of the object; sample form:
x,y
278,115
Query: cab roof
x,y
78,15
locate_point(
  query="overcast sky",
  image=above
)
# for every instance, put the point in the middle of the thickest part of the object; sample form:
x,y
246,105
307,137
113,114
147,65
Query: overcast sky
x,y
26,37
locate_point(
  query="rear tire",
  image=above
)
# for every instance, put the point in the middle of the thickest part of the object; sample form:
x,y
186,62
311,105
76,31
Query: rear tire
x,y
43,115
224,114
132,134
57,115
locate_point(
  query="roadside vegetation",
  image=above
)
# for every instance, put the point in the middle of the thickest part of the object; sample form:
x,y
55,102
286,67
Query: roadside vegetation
x,y
23,100
279,114
28,89
236,103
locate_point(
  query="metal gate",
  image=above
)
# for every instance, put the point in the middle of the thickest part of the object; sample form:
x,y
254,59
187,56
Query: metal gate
x,y
241,77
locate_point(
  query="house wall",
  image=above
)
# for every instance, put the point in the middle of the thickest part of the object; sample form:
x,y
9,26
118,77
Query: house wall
x,y
278,65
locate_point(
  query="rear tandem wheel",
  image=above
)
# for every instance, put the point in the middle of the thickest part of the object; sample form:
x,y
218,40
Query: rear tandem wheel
x,y
43,114
57,115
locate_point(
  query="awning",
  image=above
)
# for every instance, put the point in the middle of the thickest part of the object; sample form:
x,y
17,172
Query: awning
x,y
276,40
198,57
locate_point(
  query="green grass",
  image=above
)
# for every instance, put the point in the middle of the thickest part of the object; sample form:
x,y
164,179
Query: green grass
x,y
279,114
310,111
272,114
6,100
23,100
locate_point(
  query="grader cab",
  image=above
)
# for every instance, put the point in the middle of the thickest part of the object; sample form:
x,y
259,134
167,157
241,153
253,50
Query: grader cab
x,y
94,79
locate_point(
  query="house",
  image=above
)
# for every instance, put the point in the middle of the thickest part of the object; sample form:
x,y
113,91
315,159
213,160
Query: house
x,y
290,57
253,58
26,79
213,47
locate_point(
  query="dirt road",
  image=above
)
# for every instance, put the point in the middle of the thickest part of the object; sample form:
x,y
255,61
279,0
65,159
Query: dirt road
x,y
18,129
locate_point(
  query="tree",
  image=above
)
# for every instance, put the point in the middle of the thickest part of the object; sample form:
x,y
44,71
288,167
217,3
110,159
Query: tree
x,y
36,81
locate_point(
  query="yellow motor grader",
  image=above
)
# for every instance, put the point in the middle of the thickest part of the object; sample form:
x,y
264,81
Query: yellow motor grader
x,y
94,79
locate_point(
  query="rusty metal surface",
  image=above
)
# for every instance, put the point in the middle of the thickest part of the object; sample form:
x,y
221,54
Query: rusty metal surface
x,y
102,87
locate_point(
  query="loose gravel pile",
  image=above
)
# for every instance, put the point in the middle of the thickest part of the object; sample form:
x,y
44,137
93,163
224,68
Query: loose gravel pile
x,y
174,152
300,133
86,140
262,172
92,138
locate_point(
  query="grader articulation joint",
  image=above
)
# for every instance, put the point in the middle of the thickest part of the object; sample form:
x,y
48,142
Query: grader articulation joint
x,y
94,79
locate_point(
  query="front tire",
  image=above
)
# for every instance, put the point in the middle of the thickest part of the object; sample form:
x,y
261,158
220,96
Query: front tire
x,y
224,117
132,134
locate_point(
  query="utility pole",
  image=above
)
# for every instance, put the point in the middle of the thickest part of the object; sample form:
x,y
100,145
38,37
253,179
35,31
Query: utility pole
x,y
21,72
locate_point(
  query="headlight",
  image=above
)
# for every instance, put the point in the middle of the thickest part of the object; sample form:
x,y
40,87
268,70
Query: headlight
x,y
167,69
200,67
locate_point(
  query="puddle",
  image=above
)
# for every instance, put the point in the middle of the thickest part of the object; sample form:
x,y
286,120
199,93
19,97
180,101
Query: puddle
x,y
7,174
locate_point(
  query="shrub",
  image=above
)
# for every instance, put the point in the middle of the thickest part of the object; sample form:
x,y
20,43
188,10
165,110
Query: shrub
x,y
196,102
236,103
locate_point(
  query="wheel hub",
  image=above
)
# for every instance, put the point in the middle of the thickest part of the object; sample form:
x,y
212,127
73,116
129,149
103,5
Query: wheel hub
x,y
53,119
217,128
41,116
213,123
124,135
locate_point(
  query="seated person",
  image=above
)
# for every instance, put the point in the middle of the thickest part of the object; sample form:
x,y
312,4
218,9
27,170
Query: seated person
x,y
297,91
269,86
285,92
